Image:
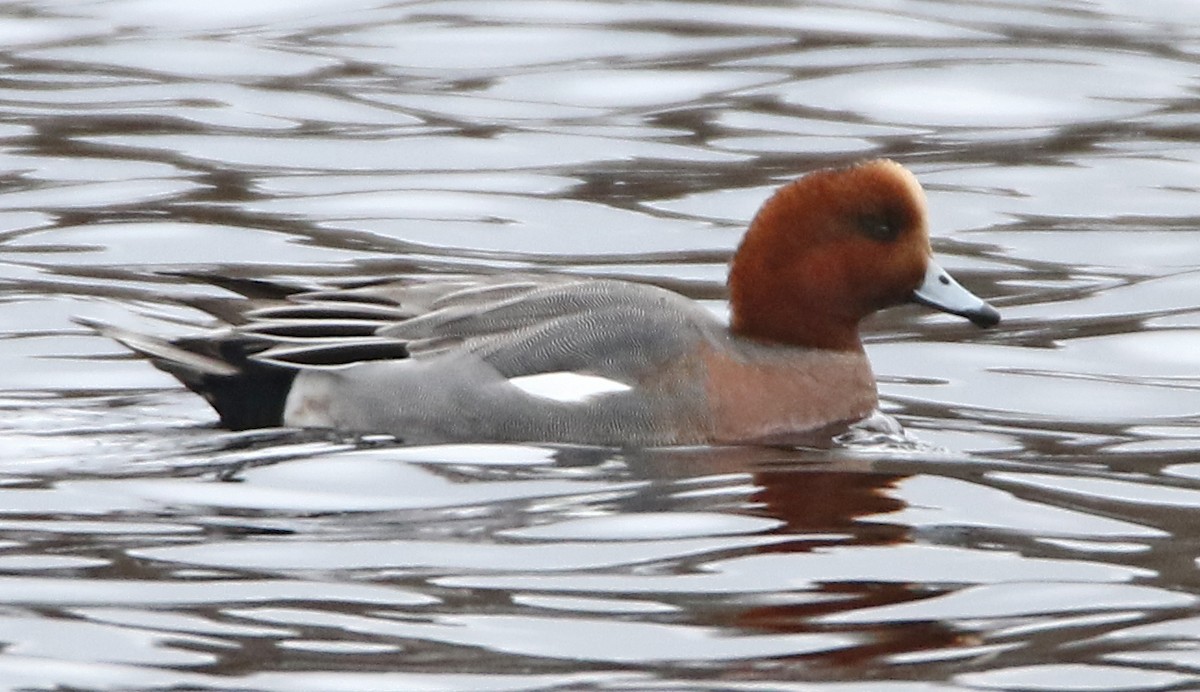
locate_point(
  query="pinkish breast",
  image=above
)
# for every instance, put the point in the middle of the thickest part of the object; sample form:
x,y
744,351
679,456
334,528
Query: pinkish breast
x,y
760,392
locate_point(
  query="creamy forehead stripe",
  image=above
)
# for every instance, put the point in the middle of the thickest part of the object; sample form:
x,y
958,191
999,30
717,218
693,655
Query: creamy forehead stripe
x,y
567,386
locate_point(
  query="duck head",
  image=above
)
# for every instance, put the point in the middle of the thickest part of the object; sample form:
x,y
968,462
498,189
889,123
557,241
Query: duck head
x,y
835,246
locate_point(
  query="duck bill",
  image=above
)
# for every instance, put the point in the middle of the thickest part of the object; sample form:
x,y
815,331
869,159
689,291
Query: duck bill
x,y
940,291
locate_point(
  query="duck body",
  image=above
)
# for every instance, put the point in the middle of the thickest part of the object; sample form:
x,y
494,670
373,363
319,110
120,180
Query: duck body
x,y
613,363
553,358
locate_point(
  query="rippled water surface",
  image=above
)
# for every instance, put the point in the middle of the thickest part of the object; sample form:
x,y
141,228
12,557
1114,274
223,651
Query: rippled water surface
x,y
1036,532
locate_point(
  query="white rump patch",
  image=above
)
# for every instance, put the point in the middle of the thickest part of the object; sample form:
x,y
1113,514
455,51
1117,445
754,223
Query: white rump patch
x,y
570,387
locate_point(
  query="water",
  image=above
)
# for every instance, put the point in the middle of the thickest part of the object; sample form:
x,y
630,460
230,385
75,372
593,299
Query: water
x,y
1036,531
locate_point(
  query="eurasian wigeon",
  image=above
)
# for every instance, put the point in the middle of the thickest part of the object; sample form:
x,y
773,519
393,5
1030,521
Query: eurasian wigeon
x,y
555,358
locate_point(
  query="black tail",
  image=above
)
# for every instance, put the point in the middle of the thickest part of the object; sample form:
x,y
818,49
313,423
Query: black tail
x,y
246,393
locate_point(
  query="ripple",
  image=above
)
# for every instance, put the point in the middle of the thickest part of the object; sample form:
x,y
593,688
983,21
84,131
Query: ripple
x,y
1074,676
189,57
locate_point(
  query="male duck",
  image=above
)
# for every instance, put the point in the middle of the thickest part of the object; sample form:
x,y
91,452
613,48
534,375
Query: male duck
x,y
564,359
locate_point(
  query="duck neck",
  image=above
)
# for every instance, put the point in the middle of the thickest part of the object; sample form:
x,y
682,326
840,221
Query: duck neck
x,y
768,323
782,308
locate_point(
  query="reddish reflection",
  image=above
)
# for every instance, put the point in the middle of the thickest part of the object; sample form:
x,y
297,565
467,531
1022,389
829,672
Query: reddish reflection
x,y
816,501
835,502
824,501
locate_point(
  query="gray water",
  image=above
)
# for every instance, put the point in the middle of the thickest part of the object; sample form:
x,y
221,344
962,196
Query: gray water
x,y
1036,531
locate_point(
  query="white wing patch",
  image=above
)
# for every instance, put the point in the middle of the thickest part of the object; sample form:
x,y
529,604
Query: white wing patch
x,y
569,387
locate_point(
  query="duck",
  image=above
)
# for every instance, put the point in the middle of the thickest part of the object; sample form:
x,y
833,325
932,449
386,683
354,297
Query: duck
x,y
556,358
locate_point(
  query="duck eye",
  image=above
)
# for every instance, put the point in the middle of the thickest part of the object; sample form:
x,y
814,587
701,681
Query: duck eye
x,y
878,227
